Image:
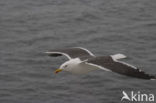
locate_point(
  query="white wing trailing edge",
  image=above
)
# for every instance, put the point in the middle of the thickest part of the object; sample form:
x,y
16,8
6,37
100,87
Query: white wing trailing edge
x,y
85,50
70,53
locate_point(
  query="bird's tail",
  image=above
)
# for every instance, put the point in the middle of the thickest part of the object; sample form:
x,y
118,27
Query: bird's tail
x,y
118,56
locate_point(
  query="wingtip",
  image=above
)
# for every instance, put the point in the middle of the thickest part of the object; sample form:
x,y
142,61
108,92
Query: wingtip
x,y
154,78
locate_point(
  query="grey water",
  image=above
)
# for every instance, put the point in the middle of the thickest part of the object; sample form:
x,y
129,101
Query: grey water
x,y
28,28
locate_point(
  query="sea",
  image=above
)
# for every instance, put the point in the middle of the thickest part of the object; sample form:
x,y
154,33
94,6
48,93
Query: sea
x,y
28,28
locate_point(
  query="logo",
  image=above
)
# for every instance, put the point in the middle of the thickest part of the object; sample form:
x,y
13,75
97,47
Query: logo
x,y
137,96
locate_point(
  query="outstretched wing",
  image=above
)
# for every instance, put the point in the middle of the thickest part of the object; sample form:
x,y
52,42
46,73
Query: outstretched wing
x,y
119,67
70,53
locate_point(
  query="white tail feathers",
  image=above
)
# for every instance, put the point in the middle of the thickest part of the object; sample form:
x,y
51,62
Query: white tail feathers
x,y
118,56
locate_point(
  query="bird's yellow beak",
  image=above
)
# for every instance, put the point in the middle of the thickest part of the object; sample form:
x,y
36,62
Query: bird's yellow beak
x,y
57,70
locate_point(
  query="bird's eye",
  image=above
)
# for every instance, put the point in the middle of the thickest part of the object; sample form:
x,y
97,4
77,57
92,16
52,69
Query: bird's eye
x,y
65,66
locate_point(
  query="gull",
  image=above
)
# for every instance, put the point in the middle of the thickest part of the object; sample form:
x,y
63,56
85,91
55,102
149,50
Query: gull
x,y
82,61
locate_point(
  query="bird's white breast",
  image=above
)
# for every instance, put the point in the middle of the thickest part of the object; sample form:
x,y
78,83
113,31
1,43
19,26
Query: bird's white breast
x,y
82,68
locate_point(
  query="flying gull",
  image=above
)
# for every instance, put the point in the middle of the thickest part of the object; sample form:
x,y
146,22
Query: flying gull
x,y
82,61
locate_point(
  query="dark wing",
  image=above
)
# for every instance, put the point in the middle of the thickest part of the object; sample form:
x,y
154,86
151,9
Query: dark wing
x,y
119,67
70,52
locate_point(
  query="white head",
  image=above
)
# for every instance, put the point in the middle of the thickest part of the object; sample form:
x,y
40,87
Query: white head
x,y
68,65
